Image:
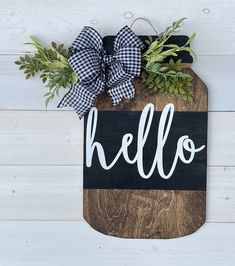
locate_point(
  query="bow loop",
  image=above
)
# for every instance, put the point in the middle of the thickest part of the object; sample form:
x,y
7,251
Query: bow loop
x,y
85,55
127,38
130,59
127,47
89,38
86,64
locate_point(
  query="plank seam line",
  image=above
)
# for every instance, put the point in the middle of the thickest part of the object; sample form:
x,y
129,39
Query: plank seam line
x,y
58,110
83,221
31,53
71,165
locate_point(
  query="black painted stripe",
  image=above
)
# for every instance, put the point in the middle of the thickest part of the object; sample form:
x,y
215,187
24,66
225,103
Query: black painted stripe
x,y
112,125
176,39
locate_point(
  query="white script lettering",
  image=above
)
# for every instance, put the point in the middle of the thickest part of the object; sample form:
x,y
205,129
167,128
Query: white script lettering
x,y
183,143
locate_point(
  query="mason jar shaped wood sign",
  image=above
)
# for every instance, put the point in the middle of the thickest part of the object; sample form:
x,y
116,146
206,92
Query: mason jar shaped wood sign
x,y
145,161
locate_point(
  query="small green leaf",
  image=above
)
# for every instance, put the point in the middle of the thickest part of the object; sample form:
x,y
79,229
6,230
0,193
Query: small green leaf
x,y
151,85
22,59
191,39
190,98
162,69
171,88
185,98
188,84
179,61
171,72
167,83
60,47
27,58
176,91
53,44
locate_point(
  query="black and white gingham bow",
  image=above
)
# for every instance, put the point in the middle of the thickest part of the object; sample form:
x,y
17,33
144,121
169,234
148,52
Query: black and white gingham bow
x,y
88,59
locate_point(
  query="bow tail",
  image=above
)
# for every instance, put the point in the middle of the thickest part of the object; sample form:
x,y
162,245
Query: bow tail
x,y
82,96
120,91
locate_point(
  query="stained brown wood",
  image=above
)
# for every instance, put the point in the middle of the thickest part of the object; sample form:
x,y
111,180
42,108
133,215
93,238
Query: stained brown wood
x,y
148,213
144,213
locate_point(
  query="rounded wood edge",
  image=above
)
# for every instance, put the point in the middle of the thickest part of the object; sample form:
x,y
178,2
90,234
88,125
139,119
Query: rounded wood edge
x,y
174,227
133,237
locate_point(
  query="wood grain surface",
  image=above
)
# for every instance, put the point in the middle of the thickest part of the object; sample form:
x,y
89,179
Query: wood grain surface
x,y
148,213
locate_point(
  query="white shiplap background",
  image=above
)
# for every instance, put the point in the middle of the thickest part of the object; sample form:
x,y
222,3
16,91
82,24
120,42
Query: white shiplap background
x,y
41,220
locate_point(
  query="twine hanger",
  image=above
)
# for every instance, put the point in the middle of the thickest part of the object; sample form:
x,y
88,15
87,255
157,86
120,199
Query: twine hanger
x,y
146,20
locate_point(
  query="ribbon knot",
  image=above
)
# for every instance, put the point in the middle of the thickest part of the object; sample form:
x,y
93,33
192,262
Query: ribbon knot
x,y
108,59
89,61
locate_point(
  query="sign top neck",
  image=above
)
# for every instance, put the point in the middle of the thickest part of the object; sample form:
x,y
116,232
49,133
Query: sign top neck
x,y
176,39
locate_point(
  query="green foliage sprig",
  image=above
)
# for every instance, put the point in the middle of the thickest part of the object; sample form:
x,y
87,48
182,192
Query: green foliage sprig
x,y
168,78
52,65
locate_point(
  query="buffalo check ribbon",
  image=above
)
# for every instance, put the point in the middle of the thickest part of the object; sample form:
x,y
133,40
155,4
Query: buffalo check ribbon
x,y
96,69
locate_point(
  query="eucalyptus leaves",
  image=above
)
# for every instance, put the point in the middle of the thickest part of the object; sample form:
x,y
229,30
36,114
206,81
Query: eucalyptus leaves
x,y
167,77
55,72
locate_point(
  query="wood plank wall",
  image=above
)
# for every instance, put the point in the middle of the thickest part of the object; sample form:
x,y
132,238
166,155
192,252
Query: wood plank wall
x,y
41,150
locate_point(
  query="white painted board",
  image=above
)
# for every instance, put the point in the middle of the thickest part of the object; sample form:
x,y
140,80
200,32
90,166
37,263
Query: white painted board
x,y
63,20
76,243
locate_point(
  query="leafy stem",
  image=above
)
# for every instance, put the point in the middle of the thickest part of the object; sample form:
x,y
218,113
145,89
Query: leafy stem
x,y
167,77
52,66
